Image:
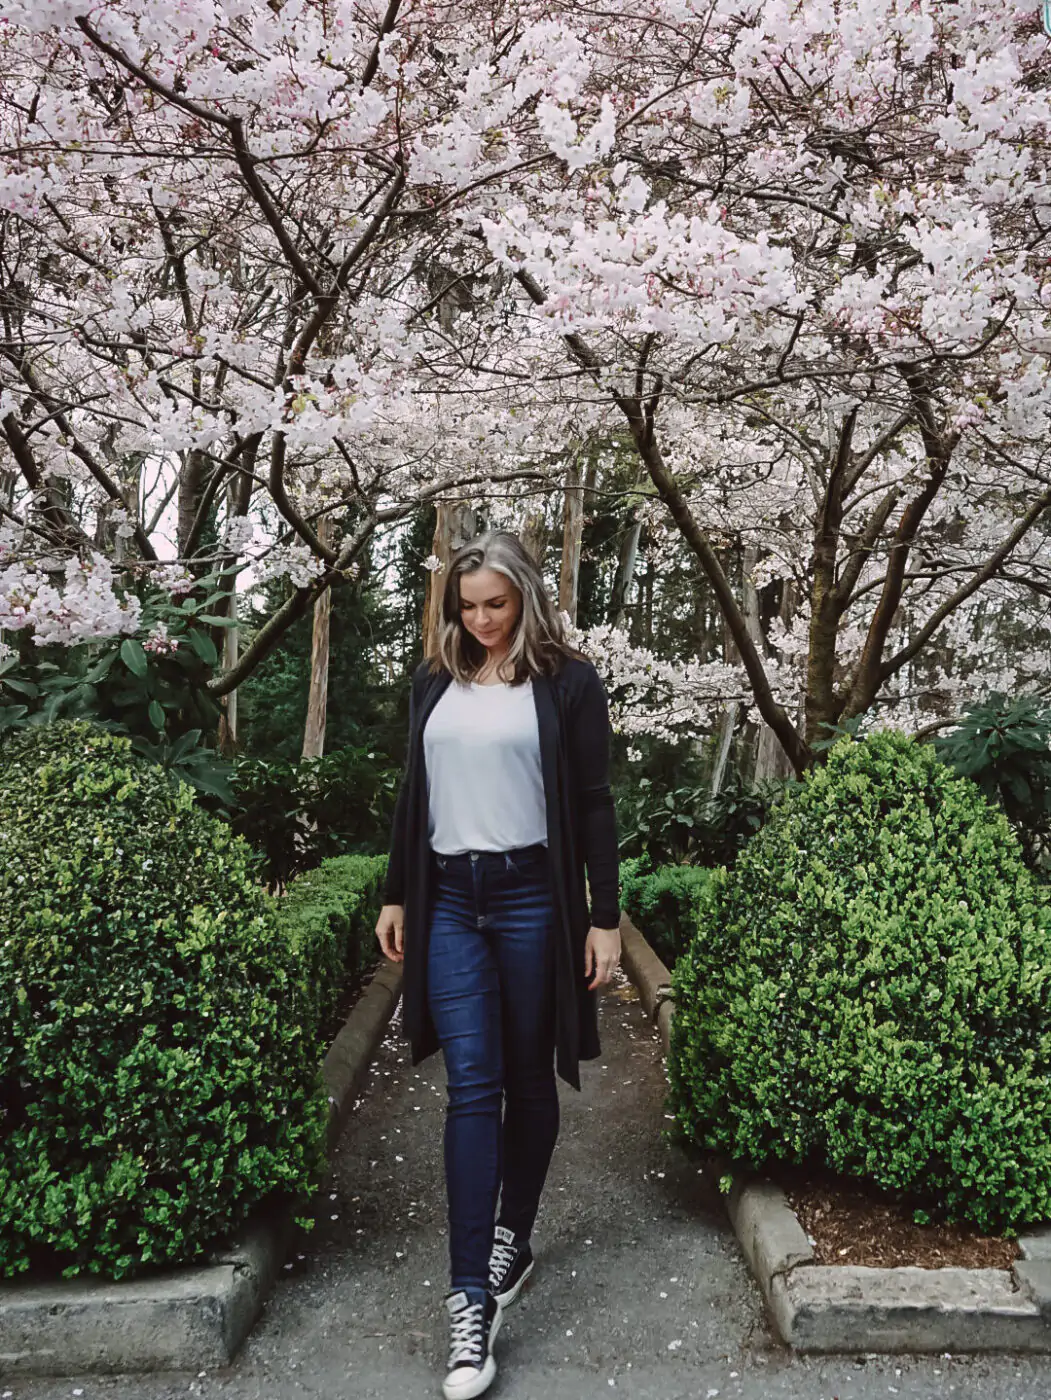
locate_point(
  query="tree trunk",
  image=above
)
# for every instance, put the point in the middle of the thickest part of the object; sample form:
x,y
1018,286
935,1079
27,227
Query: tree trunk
x,y
647,605
456,523
771,761
572,534
317,700
722,753
238,499
191,488
624,578
228,718
769,752
533,535
732,657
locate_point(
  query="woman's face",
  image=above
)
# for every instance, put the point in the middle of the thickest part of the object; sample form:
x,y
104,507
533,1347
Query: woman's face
x,y
490,606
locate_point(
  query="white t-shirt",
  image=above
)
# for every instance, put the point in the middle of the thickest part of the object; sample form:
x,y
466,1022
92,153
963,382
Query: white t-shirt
x,y
485,788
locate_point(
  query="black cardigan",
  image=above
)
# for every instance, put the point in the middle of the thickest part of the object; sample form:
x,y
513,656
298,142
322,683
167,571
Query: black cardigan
x,y
573,721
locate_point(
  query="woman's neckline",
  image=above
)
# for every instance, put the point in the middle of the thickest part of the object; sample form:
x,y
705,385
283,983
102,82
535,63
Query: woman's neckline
x,y
492,685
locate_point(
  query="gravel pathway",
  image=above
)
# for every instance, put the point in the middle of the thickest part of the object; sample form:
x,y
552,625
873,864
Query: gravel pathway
x,y
639,1288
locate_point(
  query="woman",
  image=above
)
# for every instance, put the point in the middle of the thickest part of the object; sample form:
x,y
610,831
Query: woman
x,y
505,804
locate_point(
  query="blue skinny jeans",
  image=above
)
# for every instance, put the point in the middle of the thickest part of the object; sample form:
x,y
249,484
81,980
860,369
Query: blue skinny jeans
x,y
490,985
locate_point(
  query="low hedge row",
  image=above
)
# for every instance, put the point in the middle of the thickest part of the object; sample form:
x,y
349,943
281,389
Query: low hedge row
x,y
161,1017
330,914
663,903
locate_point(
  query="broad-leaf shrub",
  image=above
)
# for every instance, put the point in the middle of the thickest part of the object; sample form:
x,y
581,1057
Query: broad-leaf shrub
x,y
676,822
869,991
159,1071
298,813
1004,744
155,689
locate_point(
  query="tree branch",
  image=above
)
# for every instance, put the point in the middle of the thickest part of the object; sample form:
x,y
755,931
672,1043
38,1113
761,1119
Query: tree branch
x,y
386,26
859,555
826,606
966,590
641,424
246,161
303,599
62,528
328,299
867,676
97,470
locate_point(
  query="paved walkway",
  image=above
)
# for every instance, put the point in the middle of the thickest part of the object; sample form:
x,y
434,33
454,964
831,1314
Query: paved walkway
x,y
639,1290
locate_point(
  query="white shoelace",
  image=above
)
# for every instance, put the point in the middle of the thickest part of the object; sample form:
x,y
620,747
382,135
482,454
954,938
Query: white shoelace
x,y
500,1260
466,1332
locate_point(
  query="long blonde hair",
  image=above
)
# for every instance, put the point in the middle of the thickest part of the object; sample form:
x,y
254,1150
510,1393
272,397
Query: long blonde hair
x,y
538,644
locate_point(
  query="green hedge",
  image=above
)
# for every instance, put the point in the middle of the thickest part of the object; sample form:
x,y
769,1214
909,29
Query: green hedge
x,y
870,990
159,1018
663,903
330,914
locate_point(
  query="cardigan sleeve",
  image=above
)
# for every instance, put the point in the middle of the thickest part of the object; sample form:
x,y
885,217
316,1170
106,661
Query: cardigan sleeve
x,y
394,882
588,750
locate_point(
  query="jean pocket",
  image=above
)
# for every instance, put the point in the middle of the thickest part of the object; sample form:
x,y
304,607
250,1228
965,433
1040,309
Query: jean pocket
x,y
530,864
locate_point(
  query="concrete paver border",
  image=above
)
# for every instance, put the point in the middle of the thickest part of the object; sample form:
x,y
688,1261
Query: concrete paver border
x,y
195,1316
849,1309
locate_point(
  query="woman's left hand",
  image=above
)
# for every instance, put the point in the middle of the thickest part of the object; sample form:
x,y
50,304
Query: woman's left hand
x,y
601,956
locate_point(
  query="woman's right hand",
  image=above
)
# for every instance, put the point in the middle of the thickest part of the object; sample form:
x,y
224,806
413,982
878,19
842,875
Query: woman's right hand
x,y
390,930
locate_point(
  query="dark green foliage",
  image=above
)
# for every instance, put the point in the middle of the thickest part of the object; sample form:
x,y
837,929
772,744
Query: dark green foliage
x,y
1004,744
869,990
831,734
410,587
330,916
156,693
679,821
159,1063
374,631
296,814
663,903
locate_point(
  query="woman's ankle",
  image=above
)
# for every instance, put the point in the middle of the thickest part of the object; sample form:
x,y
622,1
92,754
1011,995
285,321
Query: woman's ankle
x,y
475,1292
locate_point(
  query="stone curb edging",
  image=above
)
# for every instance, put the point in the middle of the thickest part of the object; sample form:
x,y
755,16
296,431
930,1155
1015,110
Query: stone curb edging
x,y
651,978
194,1316
850,1309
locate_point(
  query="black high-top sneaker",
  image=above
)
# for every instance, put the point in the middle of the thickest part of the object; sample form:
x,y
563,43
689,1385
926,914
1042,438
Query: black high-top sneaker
x,y
509,1266
473,1326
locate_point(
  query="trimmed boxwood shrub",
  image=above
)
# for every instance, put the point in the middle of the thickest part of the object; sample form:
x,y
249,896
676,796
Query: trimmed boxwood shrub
x,y
869,991
663,903
159,1065
330,915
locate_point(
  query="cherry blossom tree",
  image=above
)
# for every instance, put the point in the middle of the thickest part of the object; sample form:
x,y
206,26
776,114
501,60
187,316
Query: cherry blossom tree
x,y
801,250
292,258
218,259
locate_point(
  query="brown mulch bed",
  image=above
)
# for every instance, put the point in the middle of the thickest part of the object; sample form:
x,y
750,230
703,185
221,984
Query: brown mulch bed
x,y
852,1225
